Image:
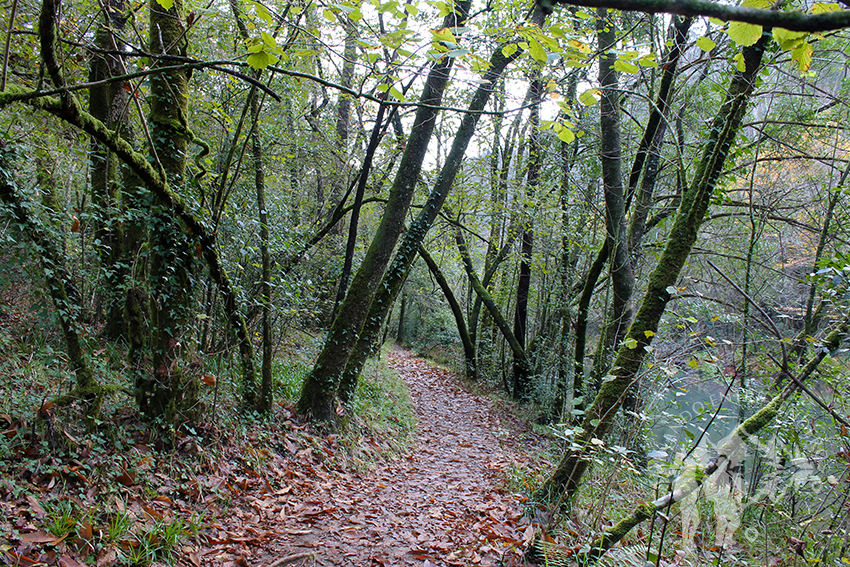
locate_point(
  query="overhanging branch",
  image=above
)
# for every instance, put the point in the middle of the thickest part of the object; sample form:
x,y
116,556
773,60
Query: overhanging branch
x,y
796,21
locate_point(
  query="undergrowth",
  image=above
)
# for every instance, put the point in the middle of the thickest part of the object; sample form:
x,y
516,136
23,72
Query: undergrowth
x,y
113,494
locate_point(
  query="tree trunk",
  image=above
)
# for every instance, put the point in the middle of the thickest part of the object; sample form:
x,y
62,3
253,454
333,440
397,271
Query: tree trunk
x,y
622,276
320,387
400,267
562,484
457,311
168,393
521,371
58,283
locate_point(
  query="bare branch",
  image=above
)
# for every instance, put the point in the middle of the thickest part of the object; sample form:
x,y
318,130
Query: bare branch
x,y
796,21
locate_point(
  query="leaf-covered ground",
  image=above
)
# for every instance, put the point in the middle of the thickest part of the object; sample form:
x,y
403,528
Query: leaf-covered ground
x,y
445,503
277,493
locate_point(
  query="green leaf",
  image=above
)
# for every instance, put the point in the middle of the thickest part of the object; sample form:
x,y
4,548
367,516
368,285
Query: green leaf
x,y
625,67
268,39
509,49
565,134
648,61
459,52
588,97
744,34
260,60
329,15
167,4
705,43
788,39
396,94
630,343
537,51
411,9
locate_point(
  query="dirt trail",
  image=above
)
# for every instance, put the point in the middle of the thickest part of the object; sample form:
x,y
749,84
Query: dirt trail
x,y
443,504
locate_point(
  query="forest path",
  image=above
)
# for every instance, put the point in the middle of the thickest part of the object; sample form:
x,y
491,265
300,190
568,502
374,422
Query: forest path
x,y
445,503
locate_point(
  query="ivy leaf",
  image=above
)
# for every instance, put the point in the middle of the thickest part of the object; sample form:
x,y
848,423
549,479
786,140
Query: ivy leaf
x,y
705,44
167,4
630,343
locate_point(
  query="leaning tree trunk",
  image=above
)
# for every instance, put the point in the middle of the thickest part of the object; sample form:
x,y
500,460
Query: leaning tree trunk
x,y
413,237
565,480
319,390
457,311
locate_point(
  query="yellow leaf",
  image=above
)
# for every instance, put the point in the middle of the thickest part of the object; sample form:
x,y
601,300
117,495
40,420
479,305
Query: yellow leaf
x,y
444,35
167,4
739,62
648,334
631,343
821,7
802,54
693,363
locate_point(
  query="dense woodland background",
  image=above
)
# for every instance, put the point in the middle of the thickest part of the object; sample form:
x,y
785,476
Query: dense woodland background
x,y
635,225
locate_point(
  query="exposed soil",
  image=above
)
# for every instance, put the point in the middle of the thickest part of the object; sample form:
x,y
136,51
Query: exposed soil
x,y
445,503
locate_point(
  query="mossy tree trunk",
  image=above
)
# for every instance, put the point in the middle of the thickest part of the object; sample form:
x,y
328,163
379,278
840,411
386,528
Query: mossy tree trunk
x,y
319,391
399,269
610,154
169,393
563,483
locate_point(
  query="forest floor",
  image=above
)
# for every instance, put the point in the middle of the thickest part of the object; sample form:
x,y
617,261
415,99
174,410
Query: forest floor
x,y
444,503
269,493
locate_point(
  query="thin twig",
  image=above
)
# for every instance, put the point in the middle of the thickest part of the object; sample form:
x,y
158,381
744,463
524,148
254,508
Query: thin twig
x,y
8,42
